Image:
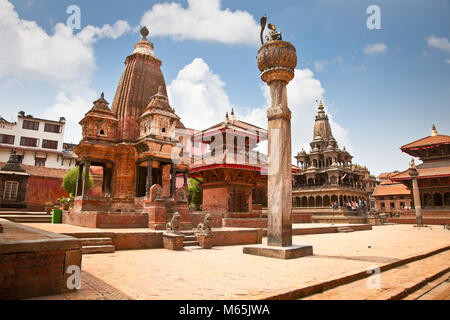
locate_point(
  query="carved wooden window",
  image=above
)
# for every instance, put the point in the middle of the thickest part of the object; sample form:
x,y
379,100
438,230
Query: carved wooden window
x,y
10,191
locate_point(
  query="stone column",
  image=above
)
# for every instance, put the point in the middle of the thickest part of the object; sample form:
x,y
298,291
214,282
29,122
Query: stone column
x,y
173,179
185,181
87,167
149,180
416,195
277,60
79,186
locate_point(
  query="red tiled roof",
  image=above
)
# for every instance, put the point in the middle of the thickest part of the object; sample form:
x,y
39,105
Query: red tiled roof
x,y
424,173
389,187
427,141
43,171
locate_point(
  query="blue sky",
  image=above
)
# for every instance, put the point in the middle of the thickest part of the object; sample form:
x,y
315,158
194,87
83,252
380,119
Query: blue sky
x,y
378,99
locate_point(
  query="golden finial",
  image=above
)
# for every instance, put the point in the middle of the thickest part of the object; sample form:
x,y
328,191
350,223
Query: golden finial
x,y
434,131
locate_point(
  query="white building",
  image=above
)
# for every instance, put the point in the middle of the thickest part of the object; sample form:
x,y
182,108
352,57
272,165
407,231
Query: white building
x,y
38,142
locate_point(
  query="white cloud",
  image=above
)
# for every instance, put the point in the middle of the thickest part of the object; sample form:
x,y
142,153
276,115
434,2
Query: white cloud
x,y
200,99
321,65
375,48
439,43
63,59
202,20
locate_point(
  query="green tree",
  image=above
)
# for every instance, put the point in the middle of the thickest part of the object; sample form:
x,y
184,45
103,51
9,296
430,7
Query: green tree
x,y
70,181
195,192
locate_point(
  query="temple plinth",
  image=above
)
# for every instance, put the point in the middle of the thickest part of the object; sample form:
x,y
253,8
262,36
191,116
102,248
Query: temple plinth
x,y
277,60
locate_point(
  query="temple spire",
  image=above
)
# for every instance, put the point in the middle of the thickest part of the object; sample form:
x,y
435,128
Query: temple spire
x,y
434,131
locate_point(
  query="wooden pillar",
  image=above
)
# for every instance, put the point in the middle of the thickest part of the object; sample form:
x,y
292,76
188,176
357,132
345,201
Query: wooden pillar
x,y
149,180
87,167
185,181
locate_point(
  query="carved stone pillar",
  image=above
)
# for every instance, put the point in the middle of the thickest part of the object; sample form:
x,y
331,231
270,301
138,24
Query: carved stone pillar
x,y
416,195
87,168
277,60
185,181
149,180
173,180
79,187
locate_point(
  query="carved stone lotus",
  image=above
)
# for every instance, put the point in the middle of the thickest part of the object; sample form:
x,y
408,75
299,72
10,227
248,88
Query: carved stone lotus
x,y
277,60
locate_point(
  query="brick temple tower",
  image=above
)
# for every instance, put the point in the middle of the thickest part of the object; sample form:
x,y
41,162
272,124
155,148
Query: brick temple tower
x,y
138,143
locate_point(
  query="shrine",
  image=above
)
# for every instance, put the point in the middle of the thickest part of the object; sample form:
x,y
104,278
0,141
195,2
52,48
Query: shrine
x,y
138,144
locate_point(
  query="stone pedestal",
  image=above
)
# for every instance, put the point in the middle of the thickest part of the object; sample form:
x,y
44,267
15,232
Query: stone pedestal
x,y
205,240
157,214
173,241
277,60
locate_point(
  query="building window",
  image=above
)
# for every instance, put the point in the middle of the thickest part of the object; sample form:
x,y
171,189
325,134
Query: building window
x,y
49,127
49,144
28,142
402,205
392,205
10,191
383,207
39,162
6,138
30,125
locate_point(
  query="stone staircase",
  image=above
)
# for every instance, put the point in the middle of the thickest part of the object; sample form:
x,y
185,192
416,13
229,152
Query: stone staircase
x,y
27,218
97,245
190,239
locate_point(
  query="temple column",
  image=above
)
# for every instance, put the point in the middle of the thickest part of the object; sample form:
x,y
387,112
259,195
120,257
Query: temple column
x,y
416,195
185,181
149,179
173,179
87,167
78,187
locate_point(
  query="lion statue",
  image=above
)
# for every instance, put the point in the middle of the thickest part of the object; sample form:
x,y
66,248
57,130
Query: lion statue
x,y
174,225
205,227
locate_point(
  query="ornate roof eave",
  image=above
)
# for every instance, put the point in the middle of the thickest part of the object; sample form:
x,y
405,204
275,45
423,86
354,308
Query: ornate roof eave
x,y
155,111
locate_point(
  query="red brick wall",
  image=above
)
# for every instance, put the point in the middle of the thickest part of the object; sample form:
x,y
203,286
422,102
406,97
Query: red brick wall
x,y
31,274
41,190
215,199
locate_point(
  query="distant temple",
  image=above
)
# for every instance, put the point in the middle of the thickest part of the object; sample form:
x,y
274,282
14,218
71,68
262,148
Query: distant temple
x,y
137,143
433,176
327,182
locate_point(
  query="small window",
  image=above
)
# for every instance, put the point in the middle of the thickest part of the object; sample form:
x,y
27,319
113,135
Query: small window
x,y
39,162
28,142
5,138
10,191
49,127
163,130
49,144
30,125
102,132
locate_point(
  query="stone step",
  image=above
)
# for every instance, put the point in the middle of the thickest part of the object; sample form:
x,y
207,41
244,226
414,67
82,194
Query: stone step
x,y
190,243
28,219
190,238
96,241
97,249
345,229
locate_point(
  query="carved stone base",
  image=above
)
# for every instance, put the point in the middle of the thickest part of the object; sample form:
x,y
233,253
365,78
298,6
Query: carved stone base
x,y
173,241
157,214
205,240
290,252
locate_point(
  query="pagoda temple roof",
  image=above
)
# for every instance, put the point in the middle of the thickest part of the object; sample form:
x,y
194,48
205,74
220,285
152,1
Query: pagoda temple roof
x,y
424,173
427,142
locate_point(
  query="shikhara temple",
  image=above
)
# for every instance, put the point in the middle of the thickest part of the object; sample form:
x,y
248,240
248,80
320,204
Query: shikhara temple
x,y
138,145
327,182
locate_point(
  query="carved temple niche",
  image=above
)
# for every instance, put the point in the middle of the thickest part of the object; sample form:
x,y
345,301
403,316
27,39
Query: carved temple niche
x,y
99,122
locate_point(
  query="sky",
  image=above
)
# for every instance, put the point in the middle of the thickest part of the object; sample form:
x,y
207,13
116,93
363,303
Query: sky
x,y
382,87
